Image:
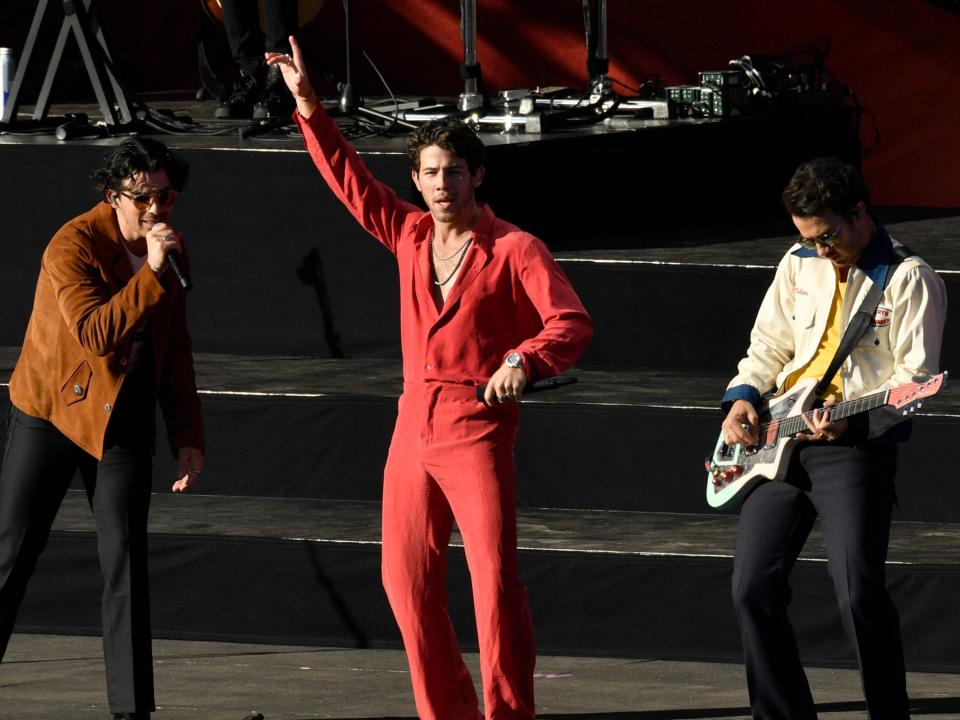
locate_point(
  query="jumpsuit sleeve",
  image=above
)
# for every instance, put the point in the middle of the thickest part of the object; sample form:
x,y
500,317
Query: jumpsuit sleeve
x,y
372,203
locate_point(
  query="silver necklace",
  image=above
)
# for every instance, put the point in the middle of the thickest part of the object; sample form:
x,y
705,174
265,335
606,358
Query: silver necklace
x,y
433,247
461,251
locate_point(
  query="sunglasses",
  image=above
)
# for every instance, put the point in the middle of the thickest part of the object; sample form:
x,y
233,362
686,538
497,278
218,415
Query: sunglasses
x,y
828,239
144,200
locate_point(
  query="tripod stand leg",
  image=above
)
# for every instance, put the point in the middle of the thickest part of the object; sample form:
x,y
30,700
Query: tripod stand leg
x,y
99,75
13,102
91,42
43,99
118,92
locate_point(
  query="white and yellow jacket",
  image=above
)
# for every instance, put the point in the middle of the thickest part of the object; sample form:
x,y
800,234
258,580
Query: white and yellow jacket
x,y
901,344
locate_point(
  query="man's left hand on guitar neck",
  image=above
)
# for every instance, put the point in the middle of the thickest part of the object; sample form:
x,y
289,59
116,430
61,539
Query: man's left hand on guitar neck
x,y
820,425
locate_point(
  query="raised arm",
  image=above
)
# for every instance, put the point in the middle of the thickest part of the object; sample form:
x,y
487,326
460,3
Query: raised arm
x,y
374,205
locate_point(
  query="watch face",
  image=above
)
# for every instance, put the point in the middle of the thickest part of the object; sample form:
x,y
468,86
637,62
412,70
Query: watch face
x,y
514,360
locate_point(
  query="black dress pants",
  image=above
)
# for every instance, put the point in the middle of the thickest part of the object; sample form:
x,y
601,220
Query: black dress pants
x,y
38,465
241,19
851,489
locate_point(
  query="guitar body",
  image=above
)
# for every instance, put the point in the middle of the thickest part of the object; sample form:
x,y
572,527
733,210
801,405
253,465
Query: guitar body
x,y
768,461
734,469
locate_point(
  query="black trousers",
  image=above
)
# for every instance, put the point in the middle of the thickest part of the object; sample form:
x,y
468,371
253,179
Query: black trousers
x,y
241,19
38,465
851,489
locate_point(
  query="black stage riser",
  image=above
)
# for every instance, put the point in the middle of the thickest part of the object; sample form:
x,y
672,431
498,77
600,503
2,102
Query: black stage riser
x,y
249,221
583,604
568,456
691,317
251,218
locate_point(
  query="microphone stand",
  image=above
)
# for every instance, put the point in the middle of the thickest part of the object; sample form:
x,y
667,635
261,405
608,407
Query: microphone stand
x,y
598,64
471,97
351,103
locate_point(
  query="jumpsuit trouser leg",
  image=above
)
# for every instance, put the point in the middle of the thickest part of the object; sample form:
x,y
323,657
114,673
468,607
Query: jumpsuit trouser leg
x,y
453,458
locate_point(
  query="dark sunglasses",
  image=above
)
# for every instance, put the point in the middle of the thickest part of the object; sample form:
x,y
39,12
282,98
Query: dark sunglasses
x,y
144,200
828,239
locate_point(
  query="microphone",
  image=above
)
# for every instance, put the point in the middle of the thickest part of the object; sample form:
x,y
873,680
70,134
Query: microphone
x,y
547,383
173,257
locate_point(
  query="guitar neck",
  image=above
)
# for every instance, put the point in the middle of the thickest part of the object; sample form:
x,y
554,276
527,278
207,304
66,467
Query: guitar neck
x,y
788,427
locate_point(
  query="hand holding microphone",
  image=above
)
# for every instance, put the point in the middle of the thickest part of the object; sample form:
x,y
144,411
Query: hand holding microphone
x,y
163,247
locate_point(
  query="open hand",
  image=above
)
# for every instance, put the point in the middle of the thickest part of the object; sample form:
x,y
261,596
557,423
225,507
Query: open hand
x,y
294,72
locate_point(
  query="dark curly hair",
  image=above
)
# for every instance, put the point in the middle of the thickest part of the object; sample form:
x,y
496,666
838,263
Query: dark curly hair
x,y
139,155
825,183
451,134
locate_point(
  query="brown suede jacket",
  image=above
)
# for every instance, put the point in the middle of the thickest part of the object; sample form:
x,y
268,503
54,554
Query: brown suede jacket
x,y
87,306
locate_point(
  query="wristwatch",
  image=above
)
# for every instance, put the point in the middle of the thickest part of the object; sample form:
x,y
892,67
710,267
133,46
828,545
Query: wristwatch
x,y
514,360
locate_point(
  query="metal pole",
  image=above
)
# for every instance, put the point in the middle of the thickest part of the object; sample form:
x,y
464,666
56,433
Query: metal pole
x,y
597,63
471,97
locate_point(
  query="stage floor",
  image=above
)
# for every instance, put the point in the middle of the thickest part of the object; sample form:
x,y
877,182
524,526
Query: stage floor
x,y
191,124
56,676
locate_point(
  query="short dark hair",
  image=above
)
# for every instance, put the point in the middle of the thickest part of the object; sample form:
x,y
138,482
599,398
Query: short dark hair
x,y
449,133
139,155
825,183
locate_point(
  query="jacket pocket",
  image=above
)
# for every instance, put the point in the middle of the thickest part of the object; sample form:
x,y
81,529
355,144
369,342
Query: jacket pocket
x,y
75,388
804,315
877,334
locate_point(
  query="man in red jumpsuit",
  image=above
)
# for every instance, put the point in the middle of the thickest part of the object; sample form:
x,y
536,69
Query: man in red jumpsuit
x,y
481,302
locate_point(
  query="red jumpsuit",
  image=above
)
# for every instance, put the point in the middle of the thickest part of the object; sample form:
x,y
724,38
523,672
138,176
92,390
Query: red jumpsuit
x,y
451,456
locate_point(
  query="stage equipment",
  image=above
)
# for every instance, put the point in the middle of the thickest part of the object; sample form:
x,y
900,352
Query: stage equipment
x,y
595,23
725,92
759,83
539,111
80,21
351,102
471,97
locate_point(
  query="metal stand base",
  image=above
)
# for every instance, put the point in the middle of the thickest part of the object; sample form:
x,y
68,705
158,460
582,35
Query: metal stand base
x,y
81,21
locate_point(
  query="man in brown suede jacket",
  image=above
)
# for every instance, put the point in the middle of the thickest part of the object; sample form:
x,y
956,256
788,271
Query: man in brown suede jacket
x,y
107,338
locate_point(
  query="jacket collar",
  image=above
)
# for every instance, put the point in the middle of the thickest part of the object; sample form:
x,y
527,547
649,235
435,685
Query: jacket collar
x,y
875,260
105,232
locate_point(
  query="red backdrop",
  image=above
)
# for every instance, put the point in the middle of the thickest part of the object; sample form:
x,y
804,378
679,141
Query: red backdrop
x,y
901,58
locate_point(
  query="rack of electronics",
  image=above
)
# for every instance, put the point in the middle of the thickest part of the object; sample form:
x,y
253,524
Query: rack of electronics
x,y
756,84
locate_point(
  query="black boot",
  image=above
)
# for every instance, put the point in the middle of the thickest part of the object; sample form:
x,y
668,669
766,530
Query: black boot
x,y
239,106
276,100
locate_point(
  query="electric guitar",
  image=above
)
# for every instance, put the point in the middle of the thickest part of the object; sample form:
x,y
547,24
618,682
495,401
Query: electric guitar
x,y
733,469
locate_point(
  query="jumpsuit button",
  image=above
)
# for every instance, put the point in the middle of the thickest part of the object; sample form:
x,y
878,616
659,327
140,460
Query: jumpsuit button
x,y
428,366
123,362
108,407
77,390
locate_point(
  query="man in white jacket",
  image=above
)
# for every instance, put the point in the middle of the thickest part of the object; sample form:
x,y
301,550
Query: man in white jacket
x,y
843,470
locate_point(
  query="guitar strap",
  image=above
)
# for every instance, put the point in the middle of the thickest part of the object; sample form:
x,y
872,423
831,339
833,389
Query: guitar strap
x,y
860,321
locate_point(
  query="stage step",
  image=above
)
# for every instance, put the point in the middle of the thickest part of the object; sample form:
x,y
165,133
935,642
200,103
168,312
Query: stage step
x,y
616,440
692,307
638,584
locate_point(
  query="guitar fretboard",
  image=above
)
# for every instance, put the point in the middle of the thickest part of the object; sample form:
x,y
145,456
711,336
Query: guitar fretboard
x,y
788,427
